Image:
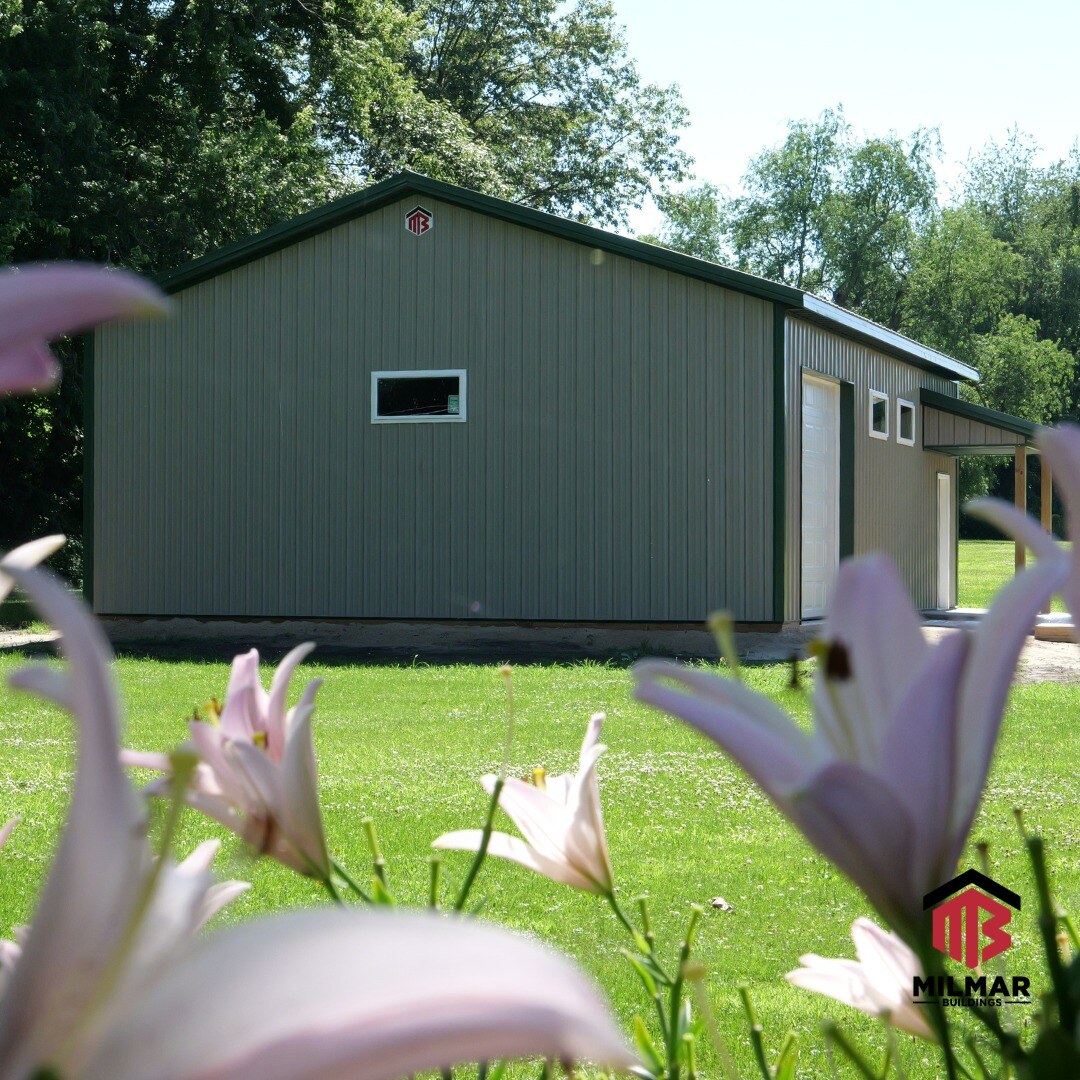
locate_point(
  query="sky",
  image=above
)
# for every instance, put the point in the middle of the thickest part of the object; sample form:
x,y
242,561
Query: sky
x,y
972,70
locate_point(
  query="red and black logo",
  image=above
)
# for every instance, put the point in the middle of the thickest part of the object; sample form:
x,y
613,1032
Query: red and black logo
x,y
968,919
419,221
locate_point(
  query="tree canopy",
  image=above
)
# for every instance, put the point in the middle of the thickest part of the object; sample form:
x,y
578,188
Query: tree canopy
x,y
992,276
148,132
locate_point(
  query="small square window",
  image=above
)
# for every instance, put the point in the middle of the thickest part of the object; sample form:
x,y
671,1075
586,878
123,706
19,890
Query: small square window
x,y
905,422
879,415
413,397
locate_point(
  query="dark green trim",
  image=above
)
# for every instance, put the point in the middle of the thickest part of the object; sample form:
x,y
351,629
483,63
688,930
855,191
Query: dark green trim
x,y
409,183
847,470
88,467
779,440
967,411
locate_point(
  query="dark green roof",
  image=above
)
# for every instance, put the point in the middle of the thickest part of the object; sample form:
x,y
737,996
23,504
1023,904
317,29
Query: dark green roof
x,y
408,183
980,414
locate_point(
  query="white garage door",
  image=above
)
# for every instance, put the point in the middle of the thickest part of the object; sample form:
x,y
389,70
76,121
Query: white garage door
x,y
820,493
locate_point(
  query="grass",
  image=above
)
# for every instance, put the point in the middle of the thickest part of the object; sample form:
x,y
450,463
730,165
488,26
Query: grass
x,y
406,745
983,567
17,614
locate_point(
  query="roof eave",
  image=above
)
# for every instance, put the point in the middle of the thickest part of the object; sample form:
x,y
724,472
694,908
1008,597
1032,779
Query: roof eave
x,y
886,340
966,410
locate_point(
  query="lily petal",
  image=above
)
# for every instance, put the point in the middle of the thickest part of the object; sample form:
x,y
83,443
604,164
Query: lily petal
x,y
996,643
1061,450
858,823
919,755
27,368
384,995
1015,523
41,303
513,848
25,556
882,653
542,821
878,984
8,829
279,688
768,745
87,898
301,818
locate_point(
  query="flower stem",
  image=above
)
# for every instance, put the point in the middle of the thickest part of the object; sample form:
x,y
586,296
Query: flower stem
x,y
378,863
675,1001
620,915
434,882
341,872
332,890
931,964
481,854
1048,929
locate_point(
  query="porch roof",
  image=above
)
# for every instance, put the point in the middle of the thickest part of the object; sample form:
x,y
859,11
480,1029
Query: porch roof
x,y
952,426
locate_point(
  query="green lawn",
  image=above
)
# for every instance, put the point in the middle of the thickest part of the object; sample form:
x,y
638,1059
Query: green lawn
x,y
983,567
406,745
17,614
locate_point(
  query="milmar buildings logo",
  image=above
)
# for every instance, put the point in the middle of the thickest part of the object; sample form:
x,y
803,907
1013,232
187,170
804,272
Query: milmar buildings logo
x,y
969,915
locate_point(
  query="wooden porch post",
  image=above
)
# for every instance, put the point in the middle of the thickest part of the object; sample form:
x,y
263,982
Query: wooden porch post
x,y
1020,497
1046,495
1046,501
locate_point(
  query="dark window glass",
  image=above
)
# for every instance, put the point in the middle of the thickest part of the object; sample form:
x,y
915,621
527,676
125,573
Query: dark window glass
x,y
907,422
881,416
427,395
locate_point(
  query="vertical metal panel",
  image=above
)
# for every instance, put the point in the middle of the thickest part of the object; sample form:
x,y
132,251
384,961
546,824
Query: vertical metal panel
x,y
895,486
616,462
944,429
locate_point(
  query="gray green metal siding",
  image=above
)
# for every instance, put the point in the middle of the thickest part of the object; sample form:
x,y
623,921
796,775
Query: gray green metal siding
x,y
942,429
895,494
616,463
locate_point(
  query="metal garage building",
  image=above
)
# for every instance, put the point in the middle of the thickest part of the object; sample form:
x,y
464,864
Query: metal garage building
x,y
419,402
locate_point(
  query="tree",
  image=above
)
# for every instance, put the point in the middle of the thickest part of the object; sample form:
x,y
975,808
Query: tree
x,y
961,282
776,229
693,223
1021,374
884,195
836,215
552,95
148,132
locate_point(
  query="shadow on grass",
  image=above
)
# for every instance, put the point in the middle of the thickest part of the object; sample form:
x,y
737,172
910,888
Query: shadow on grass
x,y
17,614
333,655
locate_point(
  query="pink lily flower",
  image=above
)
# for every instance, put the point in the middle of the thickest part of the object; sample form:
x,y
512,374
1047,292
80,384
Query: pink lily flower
x,y
878,983
25,556
888,782
109,987
561,821
41,303
1060,449
258,775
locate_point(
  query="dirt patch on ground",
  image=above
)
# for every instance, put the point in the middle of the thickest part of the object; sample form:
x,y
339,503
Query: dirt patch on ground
x,y
1041,661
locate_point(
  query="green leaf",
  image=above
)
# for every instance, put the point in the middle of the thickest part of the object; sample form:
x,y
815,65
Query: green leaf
x,y
380,894
789,1055
1055,1056
647,1048
643,973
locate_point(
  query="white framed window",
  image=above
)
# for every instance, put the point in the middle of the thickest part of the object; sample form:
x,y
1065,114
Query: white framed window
x,y
879,415
433,396
905,422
